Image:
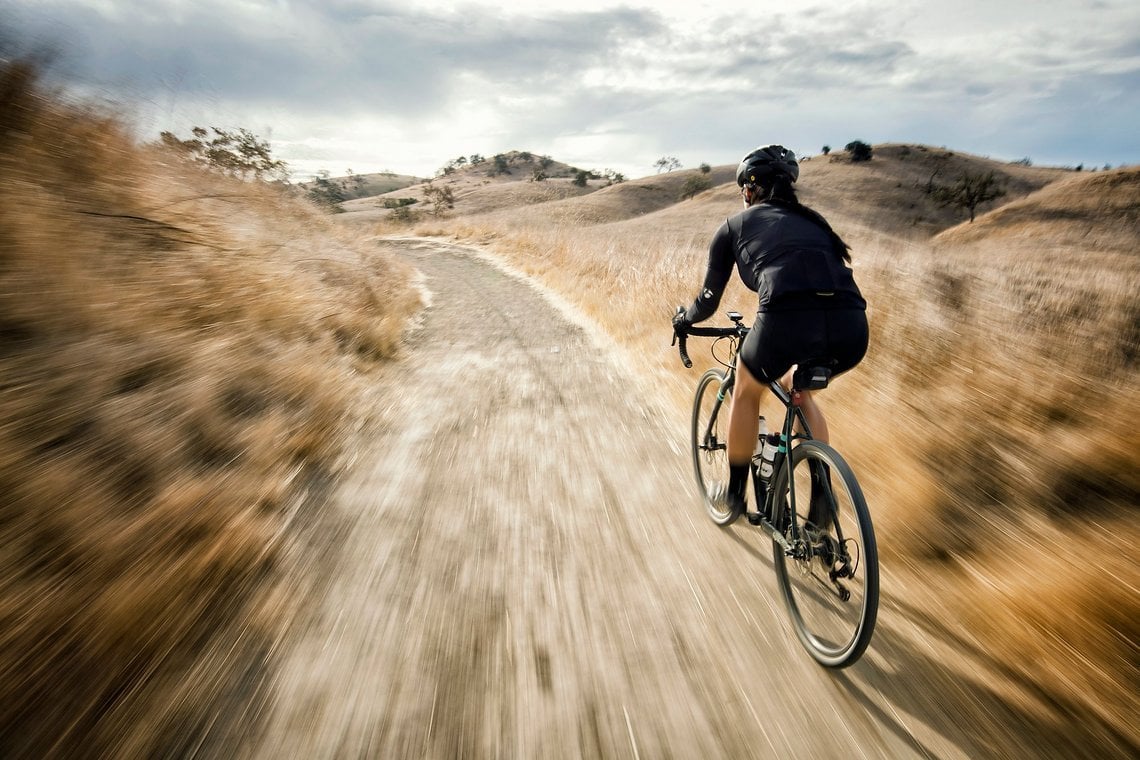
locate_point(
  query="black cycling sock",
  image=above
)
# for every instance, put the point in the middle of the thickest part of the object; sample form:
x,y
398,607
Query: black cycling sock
x,y
738,479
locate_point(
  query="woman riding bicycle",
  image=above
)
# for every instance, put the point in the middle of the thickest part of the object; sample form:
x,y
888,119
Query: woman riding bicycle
x,y
810,307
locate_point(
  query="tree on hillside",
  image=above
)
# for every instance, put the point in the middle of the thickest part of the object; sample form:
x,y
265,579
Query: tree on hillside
x,y
826,149
236,153
581,177
970,191
667,164
705,168
612,177
937,164
859,150
440,197
354,183
698,183
502,165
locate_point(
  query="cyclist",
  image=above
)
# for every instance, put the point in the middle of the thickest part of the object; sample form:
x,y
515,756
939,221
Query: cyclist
x,y
810,307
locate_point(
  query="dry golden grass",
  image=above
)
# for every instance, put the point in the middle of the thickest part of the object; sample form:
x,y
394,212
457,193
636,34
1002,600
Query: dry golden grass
x,y
1099,211
887,194
178,354
994,420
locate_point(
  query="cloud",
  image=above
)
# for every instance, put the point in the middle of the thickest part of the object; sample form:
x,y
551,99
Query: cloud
x,y
344,56
412,80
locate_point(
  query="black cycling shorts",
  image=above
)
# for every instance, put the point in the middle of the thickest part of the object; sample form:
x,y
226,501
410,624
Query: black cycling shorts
x,y
779,339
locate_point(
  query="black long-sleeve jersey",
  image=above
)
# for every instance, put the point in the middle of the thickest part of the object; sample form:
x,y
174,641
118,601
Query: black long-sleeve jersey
x,y
792,261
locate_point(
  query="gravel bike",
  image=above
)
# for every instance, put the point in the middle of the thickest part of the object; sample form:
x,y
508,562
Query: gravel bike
x,y
807,501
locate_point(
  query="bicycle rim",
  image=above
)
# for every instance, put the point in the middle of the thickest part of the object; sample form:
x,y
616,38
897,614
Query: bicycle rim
x,y
709,442
831,581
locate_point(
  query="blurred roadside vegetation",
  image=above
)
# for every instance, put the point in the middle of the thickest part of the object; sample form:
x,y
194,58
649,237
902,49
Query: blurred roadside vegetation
x,y
179,352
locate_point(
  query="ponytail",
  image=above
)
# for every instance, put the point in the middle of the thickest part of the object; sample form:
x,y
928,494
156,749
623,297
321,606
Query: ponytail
x,y
781,193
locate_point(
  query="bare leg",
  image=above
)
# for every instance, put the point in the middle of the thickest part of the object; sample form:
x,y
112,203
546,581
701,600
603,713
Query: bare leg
x,y
811,410
744,419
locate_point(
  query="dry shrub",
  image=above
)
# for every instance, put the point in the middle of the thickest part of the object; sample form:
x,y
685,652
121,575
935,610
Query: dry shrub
x,y
178,356
992,423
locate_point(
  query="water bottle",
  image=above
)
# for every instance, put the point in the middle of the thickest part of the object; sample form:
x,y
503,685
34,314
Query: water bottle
x,y
768,456
759,482
760,441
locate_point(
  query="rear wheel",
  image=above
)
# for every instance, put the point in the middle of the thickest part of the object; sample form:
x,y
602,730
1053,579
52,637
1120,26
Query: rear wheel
x,y
710,445
830,581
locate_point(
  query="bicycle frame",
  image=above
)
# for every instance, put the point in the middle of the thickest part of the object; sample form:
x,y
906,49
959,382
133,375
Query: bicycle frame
x,y
792,414
809,547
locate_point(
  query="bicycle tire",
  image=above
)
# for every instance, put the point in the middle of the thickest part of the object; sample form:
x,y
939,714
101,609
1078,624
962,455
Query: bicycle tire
x,y
710,453
835,630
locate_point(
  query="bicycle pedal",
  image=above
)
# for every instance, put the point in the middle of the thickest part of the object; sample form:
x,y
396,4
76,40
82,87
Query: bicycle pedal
x,y
754,518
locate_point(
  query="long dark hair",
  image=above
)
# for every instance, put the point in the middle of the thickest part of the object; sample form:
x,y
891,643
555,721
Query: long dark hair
x,y
781,193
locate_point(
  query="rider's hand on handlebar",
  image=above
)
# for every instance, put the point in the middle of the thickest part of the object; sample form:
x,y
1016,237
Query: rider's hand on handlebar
x,y
681,325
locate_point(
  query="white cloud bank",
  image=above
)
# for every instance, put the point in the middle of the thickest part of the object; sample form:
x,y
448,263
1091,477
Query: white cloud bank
x,y
372,84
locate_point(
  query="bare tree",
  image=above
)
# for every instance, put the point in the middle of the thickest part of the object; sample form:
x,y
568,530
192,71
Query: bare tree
x,y
938,162
970,191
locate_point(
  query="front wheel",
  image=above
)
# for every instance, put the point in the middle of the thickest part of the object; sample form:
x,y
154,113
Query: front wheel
x,y
829,576
710,445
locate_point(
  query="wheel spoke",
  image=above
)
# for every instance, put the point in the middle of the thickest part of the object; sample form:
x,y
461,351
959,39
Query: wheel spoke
x,y
710,455
831,590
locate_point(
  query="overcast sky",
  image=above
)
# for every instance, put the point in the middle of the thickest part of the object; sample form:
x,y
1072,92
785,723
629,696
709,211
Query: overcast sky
x,y
406,85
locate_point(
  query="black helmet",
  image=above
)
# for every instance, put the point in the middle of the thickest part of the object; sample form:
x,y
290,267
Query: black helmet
x,y
765,163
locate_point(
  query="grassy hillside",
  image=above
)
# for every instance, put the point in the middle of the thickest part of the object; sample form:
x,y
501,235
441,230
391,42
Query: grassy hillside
x,y
993,421
178,354
369,185
519,179
1099,211
617,202
890,194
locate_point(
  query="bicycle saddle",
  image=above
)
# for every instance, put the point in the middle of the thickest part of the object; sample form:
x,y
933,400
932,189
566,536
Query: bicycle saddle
x,y
811,376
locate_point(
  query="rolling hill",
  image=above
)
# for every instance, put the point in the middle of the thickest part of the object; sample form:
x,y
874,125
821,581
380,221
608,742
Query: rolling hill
x,y
890,194
1099,211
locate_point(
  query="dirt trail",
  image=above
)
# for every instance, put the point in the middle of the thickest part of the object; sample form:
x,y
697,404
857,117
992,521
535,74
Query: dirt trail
x,y
517,567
